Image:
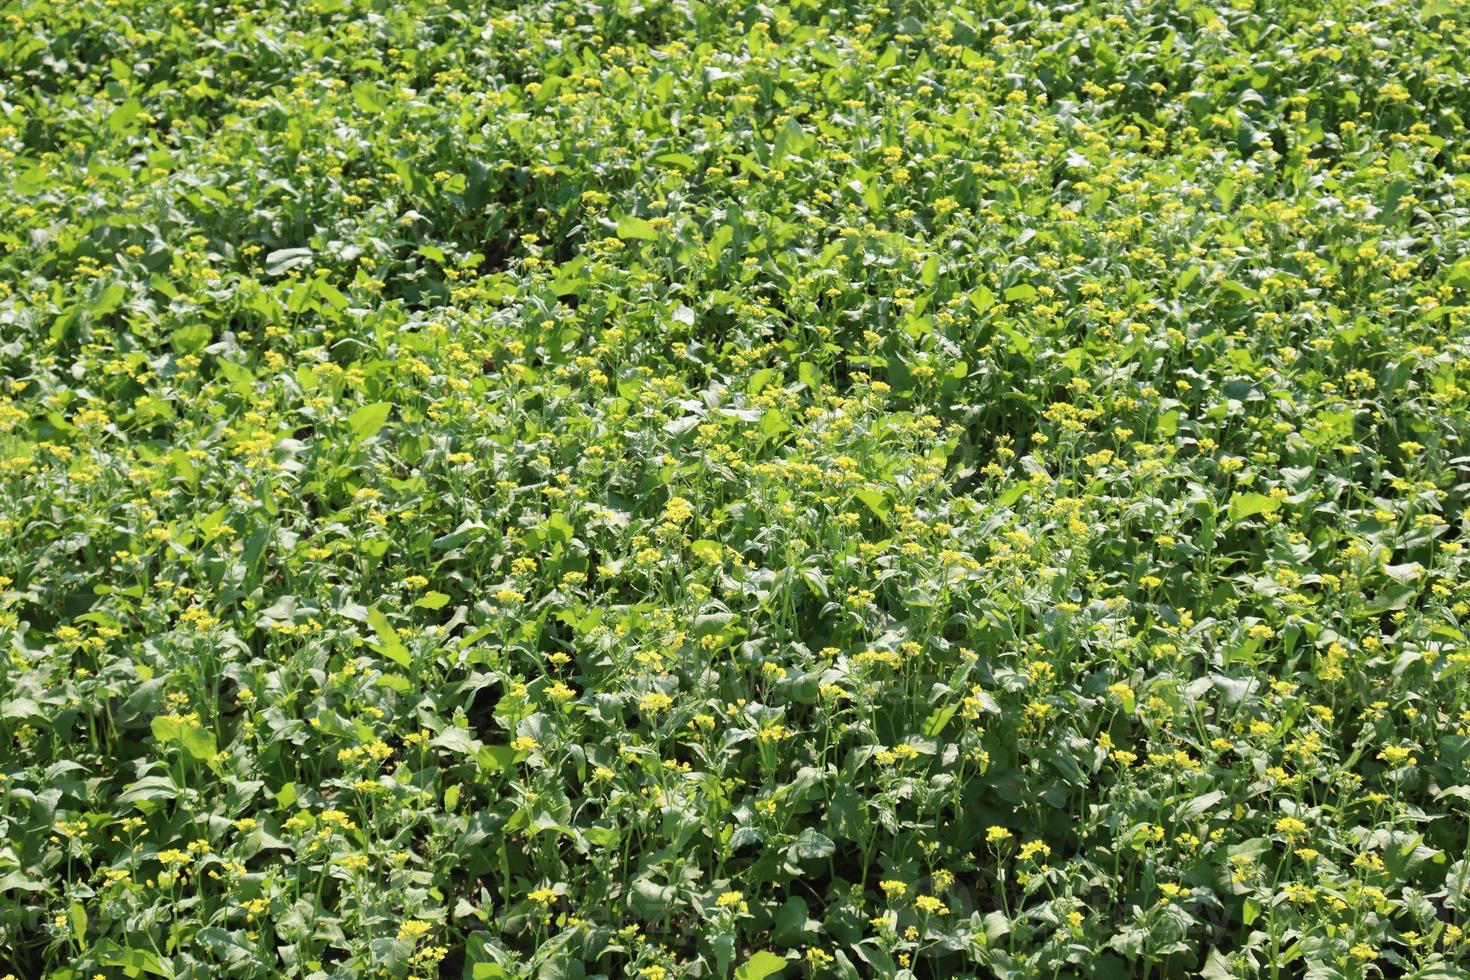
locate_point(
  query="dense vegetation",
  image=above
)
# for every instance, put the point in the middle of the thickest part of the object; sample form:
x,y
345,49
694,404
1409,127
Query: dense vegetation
x,y
677,489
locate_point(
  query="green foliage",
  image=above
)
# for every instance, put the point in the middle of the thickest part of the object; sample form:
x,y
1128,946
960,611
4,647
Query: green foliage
x,y
577,489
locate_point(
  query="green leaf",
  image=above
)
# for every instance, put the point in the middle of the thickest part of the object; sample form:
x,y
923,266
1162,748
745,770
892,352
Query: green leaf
x,y
636,228
389,645
367,420
194,740
77,916
120,120
1013,494
1201,805
190,339
132,962
335,298
790,923
457,740
1240,292
604,837
981,299
723,944
773,423
17,881
283,260
650,900
938,719
395,682
109,299
559,529
232,947
432,600
718,241
708,624
1225,191
150,790
495,758
874,500
929,271
812,846
810,375
22,708
64,322
760,965
1247,505
1330,428
367,97
1457,883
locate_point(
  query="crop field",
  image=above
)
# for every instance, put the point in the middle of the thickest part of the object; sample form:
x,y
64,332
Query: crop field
x,y
665,488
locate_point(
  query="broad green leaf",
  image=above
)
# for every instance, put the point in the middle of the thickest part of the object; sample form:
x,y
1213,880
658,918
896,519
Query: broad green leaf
x,y
17,881
109,299
650,899
190,339
929,271
874,500
457,740
283,260
194,740
367,97
773,423
133,962
389,645
495,758
76,915
149,790
791,920
981,299
718,241
811,845
1247,505
810,375
938,720
760,965
367,420
120,120
395,682
630,227
1201,805
559,529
